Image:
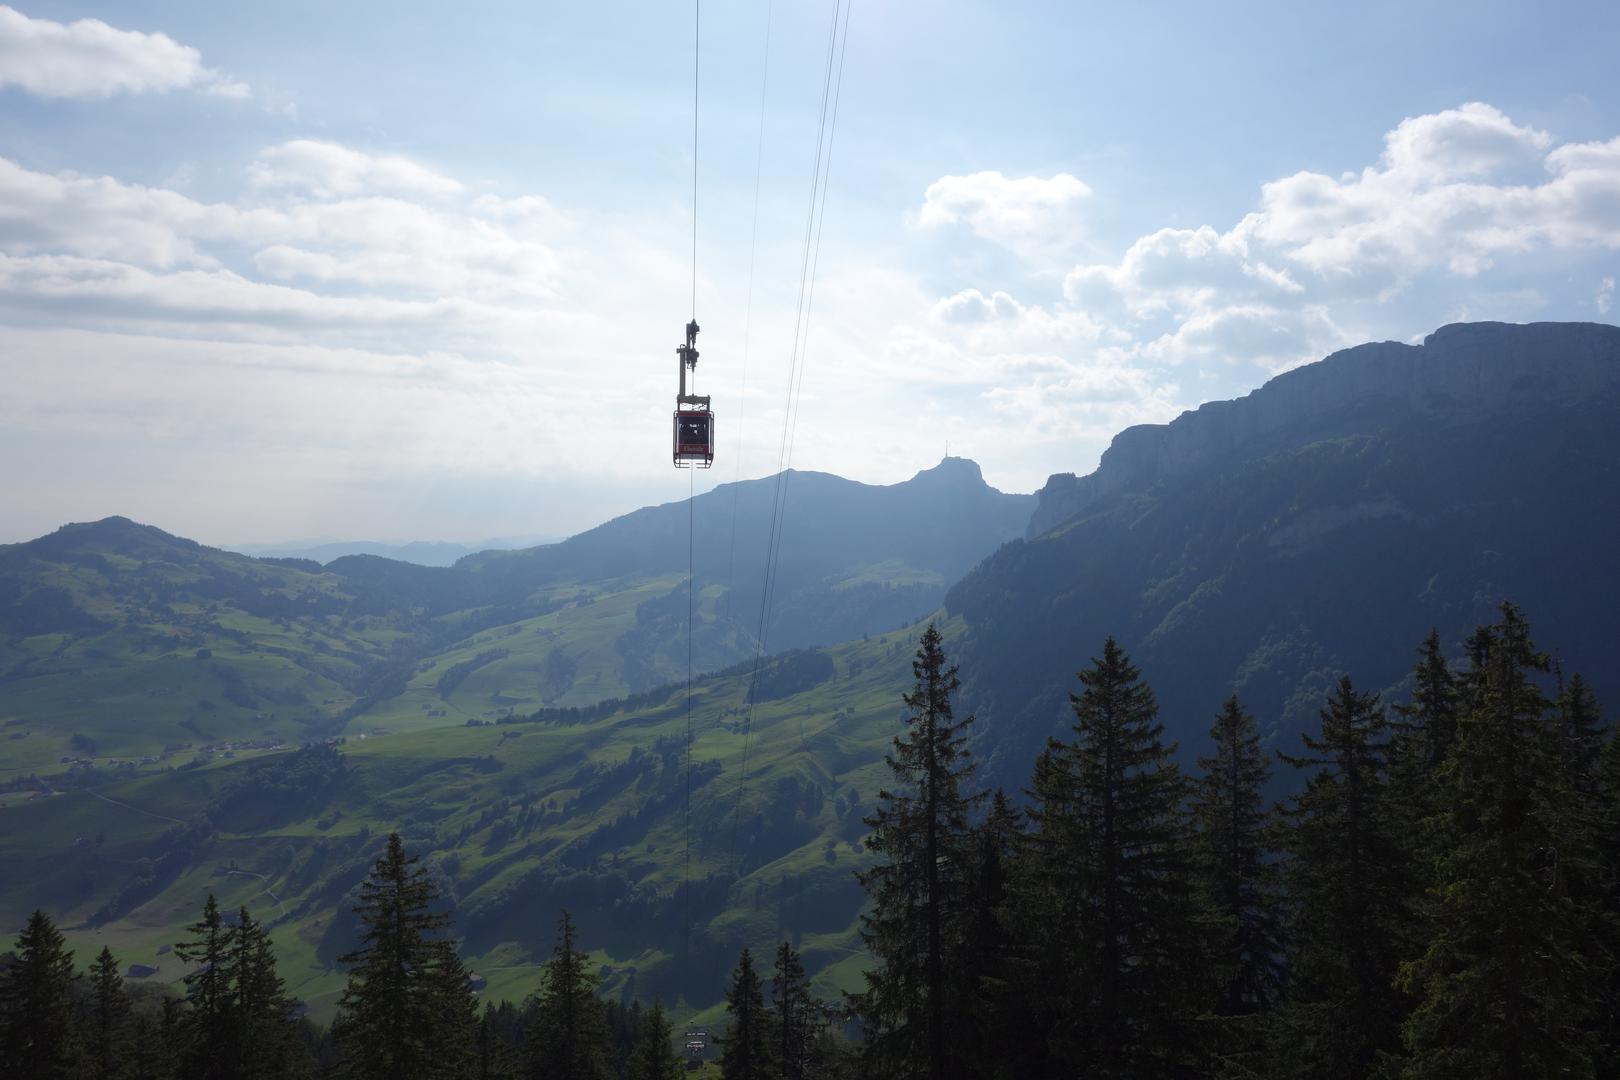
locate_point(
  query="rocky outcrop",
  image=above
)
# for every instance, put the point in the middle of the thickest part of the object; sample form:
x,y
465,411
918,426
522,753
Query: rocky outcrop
x,y
1462,367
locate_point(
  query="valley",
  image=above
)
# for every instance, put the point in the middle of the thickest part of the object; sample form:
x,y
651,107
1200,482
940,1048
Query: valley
x,y
180,720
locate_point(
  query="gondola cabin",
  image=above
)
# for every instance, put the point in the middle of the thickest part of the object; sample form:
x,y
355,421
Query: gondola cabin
x,y
694,420
694,438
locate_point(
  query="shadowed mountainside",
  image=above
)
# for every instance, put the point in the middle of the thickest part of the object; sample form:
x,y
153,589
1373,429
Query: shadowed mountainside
x,y
1320,525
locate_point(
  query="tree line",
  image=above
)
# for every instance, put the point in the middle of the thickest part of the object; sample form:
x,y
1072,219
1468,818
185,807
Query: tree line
x,y
1440,898
407,1012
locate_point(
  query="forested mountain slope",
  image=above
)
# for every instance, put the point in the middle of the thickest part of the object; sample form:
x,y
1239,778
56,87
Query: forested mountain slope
x,y
1320,525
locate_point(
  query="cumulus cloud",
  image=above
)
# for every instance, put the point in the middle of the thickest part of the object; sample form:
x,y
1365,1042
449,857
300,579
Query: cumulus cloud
x,y
326,169
88,59
1605,295
1453,193
1022,213
1472,140
334,250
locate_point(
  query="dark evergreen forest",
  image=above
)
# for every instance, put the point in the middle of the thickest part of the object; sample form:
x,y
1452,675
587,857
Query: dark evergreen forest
x,y
1439,897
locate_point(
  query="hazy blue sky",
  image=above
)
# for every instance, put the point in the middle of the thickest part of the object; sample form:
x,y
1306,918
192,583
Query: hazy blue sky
x,y
407,271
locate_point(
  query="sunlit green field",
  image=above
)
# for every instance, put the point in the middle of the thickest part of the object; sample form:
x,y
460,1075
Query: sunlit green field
x,y
519,819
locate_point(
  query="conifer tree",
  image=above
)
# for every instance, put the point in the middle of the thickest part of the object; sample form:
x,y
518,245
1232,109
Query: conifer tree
x,y
922,833
654,1057
1236,877
792,1018
109,1019
1350,881
1420,738
450,985
149,1057
265,1034
170,1041
405,1010
1608,907
494,1056
1580,737
208,1046
1111,894
987,951
624,1030
568,1037
1502,982
745,1052
1589,829
1040,1029
36,994
1429,721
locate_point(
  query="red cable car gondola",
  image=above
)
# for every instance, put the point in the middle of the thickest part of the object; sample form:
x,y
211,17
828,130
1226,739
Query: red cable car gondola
x,y
694,420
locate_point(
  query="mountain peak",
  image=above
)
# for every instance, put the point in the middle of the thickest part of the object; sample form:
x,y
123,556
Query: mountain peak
x,y
954,470
116,531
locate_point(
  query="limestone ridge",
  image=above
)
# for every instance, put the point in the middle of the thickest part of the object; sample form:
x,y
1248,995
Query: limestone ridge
x,y
1463,367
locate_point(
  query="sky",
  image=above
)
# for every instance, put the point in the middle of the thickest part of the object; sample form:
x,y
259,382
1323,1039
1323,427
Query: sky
x,y
406,271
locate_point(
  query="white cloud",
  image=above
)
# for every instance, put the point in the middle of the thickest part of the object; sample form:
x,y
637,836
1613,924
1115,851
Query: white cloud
x,y
1259,334
1469,141
89,59
1451,191
1024,214
362,260
325,170
1605,295
1452,194
1178,271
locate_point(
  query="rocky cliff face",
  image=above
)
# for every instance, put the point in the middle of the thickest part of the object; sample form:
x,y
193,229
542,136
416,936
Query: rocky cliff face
x,y
1484,367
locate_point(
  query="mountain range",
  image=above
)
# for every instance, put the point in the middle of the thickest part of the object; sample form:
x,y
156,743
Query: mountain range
x,y
123,638
522,716
420,552
1321,525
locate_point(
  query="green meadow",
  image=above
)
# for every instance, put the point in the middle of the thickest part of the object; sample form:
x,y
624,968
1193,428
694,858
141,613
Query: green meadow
x,y
517,819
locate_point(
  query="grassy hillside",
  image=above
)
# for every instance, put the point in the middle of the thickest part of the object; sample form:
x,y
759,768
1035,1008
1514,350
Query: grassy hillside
x,y
124,649
518,819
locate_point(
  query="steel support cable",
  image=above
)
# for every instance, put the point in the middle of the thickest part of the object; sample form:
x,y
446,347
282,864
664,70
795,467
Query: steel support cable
x,y
821,220
697,24
802,342
748,310
815,262
686,824
794,382
691,528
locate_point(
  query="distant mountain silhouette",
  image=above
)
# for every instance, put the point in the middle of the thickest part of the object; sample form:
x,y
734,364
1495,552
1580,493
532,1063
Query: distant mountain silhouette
x,y
420,552
853,558
102,624
1320,525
